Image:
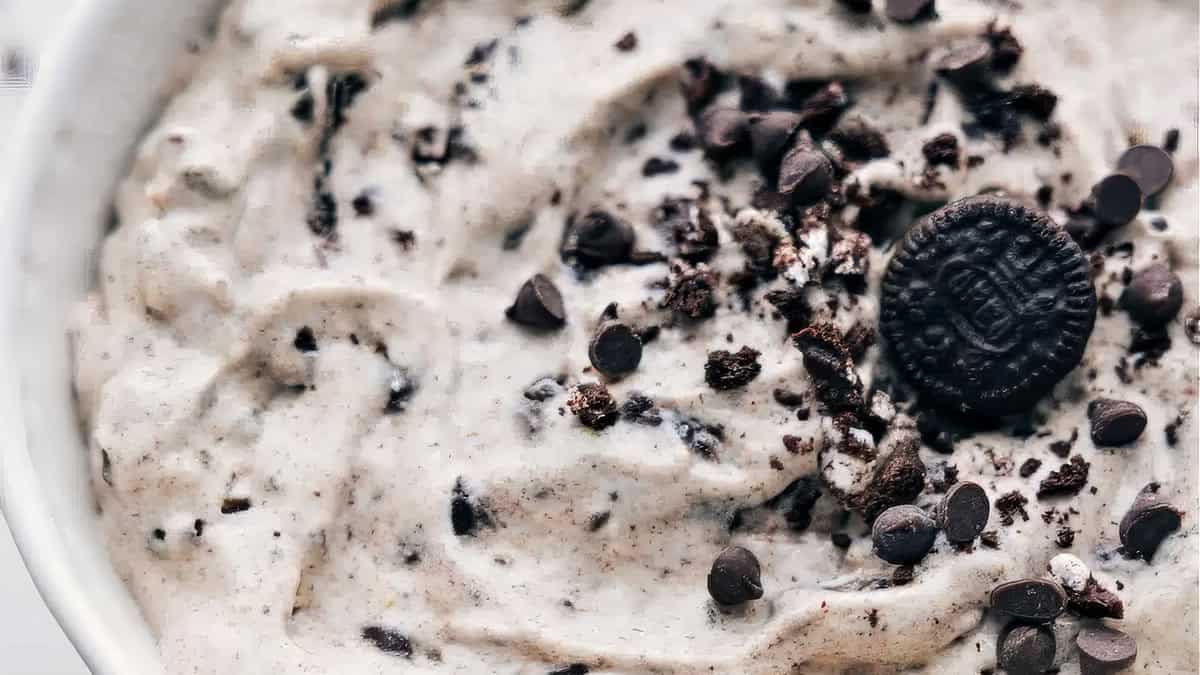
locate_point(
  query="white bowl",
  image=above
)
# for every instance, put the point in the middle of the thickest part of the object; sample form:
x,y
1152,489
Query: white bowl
x,y
98,89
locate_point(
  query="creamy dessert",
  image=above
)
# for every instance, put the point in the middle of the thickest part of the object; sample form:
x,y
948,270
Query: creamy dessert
x,y
659,337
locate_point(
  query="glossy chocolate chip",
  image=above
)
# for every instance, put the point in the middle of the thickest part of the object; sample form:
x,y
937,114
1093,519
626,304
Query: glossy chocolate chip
x,y
615,350
1026,649
538,305
770,135
736,577
1149,165
1148,522
1030,599
723,132
964,512
1115,422
597,239
1153,296
908,11
903,535
805,175
1104,650
1117,199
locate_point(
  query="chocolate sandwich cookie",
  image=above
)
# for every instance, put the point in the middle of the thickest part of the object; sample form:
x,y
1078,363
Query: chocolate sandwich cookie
x,y
986,305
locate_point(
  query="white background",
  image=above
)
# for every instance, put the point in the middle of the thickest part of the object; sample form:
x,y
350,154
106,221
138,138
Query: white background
x,y
31,643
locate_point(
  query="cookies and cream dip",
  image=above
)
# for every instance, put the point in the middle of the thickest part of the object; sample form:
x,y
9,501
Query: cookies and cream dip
x,y
502,336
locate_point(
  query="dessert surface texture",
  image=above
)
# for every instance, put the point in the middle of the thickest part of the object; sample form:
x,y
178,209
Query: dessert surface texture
x,y
677,336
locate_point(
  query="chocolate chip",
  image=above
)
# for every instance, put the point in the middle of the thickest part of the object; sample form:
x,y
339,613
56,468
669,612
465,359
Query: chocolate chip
x,y
1171,140
1117,200
657,166
1149,165
322,214
363,205
388,641
1115,422
1069,479
909,11
898,480
820,104
1033,100
1029,599
615,349
730,370
1154,295
700,81
941,149
757,94
683,142
302,110
692,291
305,340
903,535
1147,523
770,135
965,63
573,669
538,305
1104,650
960,324
400,10
805,175
724,132
856,6
859,140
1029,467
597,239
964,512
627,43
1095,601
1006,50
462,512
736,577
232,505
593,405
788,398
1025,649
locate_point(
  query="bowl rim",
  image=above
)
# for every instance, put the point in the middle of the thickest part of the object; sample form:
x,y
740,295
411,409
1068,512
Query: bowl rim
x,y
22,495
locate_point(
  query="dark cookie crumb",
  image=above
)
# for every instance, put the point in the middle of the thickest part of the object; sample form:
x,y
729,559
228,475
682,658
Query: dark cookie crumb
x,y
1095,602
1065,537
701,438
859,338
593,405
730,370
402,10
943,477
684,141
598,520
899,479
1009,505
1069,479
796,502
388,641
656,166
573,669
829,363
639,409
1063,448
627,43
788,398
942,150
990,539
692,291
235,505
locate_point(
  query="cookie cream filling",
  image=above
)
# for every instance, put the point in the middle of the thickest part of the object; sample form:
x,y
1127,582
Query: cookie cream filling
x,y
321,446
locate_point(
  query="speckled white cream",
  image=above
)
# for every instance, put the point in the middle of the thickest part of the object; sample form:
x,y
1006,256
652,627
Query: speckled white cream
x,y
186,371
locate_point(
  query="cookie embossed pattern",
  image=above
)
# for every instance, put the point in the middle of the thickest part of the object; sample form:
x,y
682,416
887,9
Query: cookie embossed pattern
x,y
987,305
